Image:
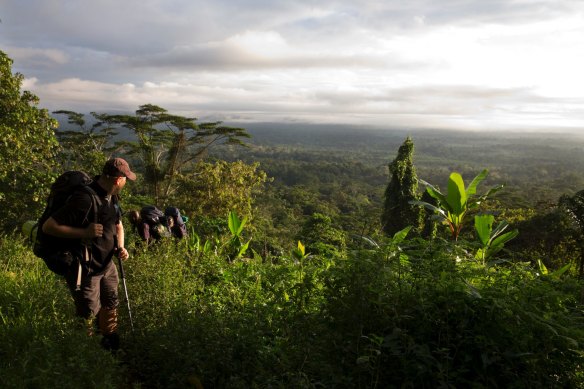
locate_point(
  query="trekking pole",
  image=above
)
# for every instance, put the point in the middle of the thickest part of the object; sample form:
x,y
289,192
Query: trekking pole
x,y
126,292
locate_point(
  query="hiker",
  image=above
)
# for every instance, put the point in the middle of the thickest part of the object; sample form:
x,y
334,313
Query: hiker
x,y
97,295
176,222
152,225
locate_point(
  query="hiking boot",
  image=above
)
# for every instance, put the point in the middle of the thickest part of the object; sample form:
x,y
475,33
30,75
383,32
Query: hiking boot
x,y
111,342
108,320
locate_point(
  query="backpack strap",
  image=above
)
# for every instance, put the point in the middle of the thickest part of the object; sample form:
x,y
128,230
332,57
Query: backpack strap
x,y
86,243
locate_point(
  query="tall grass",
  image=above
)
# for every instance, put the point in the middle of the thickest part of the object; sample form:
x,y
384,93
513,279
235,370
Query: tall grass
x,y
43,345
417,314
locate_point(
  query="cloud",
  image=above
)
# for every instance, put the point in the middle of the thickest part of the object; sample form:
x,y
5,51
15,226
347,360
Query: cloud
x,y
254,50
422,62
450,106
39,57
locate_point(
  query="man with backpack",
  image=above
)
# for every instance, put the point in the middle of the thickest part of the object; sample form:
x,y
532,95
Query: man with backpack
x,y
93,235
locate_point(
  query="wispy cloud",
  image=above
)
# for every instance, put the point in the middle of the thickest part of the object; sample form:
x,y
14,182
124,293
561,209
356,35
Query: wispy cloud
x,y
421,63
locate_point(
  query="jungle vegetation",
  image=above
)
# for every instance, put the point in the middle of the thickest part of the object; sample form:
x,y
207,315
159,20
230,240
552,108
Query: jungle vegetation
x,y
287,278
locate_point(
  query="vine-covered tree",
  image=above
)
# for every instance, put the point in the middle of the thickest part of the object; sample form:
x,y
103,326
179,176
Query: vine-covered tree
x,y
27,149
574,206
398,213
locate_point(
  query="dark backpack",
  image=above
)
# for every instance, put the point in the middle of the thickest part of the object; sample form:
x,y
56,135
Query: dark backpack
x,y
155,218
151,215
50,248
178,229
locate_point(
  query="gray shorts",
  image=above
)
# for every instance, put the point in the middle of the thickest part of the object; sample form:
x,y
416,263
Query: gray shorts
x,y
97,290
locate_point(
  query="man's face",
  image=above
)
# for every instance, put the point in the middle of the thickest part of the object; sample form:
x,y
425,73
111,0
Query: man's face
x,y
120,182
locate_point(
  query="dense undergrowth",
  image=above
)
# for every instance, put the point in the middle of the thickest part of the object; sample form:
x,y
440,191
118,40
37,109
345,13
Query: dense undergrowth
x,y
407,313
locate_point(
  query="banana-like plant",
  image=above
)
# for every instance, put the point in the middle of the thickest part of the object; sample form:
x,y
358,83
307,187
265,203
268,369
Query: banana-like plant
x,y
492,241
453,208
300,253
236,227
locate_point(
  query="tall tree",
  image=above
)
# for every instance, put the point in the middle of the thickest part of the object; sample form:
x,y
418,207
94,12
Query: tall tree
x,y
574,206
27,149
169,145
398,213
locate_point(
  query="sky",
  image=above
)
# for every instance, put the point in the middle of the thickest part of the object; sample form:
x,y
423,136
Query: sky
x,y
447,64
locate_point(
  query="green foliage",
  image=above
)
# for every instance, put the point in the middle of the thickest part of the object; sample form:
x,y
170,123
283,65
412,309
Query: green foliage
x,y
547,235
322,237
215,189
235,247
459,201
574,206
556,274
410,318
27,150
43,345
398,212
299,253
492,241
397,314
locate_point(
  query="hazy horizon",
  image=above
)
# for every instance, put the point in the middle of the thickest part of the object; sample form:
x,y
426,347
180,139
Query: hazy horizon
x,y
501,65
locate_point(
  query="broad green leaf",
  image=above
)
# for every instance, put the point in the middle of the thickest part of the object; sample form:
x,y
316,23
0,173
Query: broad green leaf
x,y
456,197
483,226
242,224
440,197
233,223
431,207
471,190
499,229
243,248
562,270
399,236
370,241
501,240
494,190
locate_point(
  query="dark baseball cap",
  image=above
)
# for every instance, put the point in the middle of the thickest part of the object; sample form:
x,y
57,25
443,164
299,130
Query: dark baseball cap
x,y
118,167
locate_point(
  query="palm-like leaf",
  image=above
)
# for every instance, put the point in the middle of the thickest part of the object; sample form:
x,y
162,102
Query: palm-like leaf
x,y
456,196
471,190
484,226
